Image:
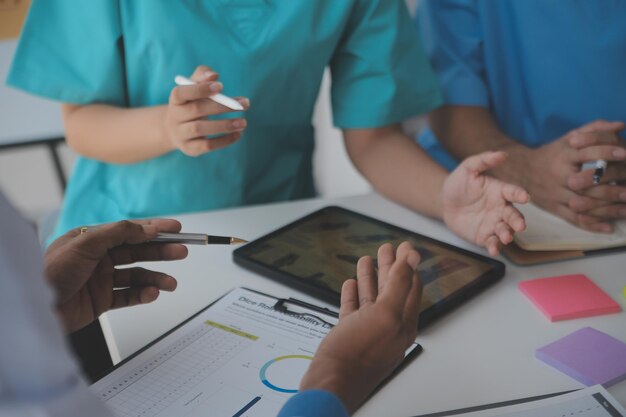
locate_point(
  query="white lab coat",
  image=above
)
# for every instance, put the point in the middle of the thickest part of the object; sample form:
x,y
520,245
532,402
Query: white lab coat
x,y
38,374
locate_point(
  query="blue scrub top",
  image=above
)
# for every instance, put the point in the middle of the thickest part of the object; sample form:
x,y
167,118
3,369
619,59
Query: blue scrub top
x,y
127,52
541,67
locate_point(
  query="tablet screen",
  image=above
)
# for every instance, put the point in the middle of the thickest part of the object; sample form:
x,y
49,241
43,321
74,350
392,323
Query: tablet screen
x,y
319,252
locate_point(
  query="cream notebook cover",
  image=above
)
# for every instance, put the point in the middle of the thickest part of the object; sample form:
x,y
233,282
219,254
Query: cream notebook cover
x,y
547,232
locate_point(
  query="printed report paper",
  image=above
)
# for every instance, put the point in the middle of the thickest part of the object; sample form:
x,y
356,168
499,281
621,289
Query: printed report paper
x,y
237,356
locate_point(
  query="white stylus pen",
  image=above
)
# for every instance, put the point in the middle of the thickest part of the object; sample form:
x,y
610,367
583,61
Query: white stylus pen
x,y
218,98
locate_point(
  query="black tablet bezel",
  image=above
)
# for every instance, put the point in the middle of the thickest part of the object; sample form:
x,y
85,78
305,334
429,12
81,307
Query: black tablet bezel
x,y
426,317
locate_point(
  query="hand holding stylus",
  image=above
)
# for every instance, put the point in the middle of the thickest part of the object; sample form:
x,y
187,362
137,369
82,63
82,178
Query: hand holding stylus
x,y
190,103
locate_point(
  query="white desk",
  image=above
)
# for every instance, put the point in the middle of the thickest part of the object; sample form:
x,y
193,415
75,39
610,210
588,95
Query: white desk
x,y
482,352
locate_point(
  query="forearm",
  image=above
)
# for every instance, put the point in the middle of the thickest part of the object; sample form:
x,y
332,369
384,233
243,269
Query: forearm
x,y
114,134
468,130
397,167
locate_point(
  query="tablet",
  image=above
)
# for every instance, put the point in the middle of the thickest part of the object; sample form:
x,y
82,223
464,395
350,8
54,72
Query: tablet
x,y
318,252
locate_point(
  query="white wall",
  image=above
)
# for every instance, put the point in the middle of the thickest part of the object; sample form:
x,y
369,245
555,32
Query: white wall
x,y
27,174
333,170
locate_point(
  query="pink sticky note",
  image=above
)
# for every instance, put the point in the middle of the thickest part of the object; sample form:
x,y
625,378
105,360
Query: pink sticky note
x,y
568,297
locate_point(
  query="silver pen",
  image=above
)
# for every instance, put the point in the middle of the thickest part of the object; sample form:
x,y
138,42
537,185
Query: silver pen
x,y
185,238
599,170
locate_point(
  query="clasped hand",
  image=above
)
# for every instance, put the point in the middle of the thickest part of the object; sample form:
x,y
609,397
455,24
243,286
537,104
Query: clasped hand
x,y
557,184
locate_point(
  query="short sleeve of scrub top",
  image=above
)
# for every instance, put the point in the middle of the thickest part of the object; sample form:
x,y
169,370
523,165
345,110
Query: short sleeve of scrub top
x,y
453,41
78,57
380,74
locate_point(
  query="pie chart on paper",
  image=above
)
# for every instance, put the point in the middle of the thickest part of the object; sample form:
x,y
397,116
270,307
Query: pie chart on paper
x,y
283,374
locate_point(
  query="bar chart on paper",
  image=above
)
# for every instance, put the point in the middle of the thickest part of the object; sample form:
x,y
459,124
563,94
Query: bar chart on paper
x,y
230,361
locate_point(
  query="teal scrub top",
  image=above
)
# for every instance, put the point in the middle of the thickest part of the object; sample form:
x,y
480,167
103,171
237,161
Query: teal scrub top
x,y
126,53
